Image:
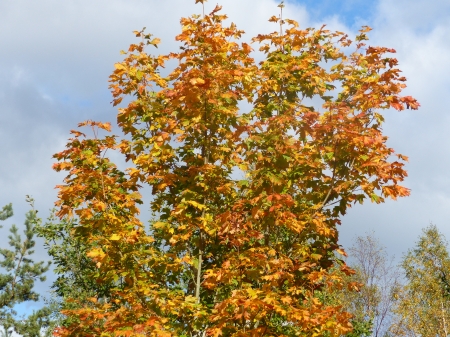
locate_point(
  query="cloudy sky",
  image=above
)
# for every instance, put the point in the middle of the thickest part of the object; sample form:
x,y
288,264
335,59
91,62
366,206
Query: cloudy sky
x,y
56,56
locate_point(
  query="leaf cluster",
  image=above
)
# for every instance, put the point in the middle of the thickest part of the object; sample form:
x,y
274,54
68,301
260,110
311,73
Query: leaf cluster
x,y
227,256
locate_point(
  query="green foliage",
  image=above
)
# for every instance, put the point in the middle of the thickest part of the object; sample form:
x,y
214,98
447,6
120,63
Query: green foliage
x,y
73,268
361,328
39,324
6,212
424,306
19,277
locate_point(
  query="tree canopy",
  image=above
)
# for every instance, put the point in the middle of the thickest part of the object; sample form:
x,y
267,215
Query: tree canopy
x,y
246,197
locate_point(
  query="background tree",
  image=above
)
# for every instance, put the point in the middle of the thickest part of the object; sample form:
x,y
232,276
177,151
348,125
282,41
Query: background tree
x,y
21,273
380,282
424,305
227,256
72,267
39,324
6,212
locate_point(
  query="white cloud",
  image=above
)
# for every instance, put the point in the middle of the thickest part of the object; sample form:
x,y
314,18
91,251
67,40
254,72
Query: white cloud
x,y
419,31
55,65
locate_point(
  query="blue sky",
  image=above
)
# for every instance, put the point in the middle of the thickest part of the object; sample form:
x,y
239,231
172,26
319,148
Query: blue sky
x,y
56,56
353,13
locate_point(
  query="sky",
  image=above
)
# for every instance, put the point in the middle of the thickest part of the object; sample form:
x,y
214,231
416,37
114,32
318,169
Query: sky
x,y
56,56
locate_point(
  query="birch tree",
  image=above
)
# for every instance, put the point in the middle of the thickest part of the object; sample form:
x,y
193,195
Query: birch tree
x,y
424,305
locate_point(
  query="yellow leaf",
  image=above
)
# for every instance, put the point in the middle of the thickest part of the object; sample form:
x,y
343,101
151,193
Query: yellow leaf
x,y
105,126
96,252
197,81
156,41
316,256
341,251
115,237
196,204
92,299
159,224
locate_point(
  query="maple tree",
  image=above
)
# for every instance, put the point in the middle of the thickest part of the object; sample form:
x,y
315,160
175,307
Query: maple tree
x,y
229,256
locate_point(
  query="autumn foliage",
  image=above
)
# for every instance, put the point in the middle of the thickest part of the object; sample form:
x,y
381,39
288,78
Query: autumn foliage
x,y
251,165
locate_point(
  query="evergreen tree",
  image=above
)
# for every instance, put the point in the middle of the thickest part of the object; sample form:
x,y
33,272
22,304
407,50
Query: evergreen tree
x,y
39,323
19,277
